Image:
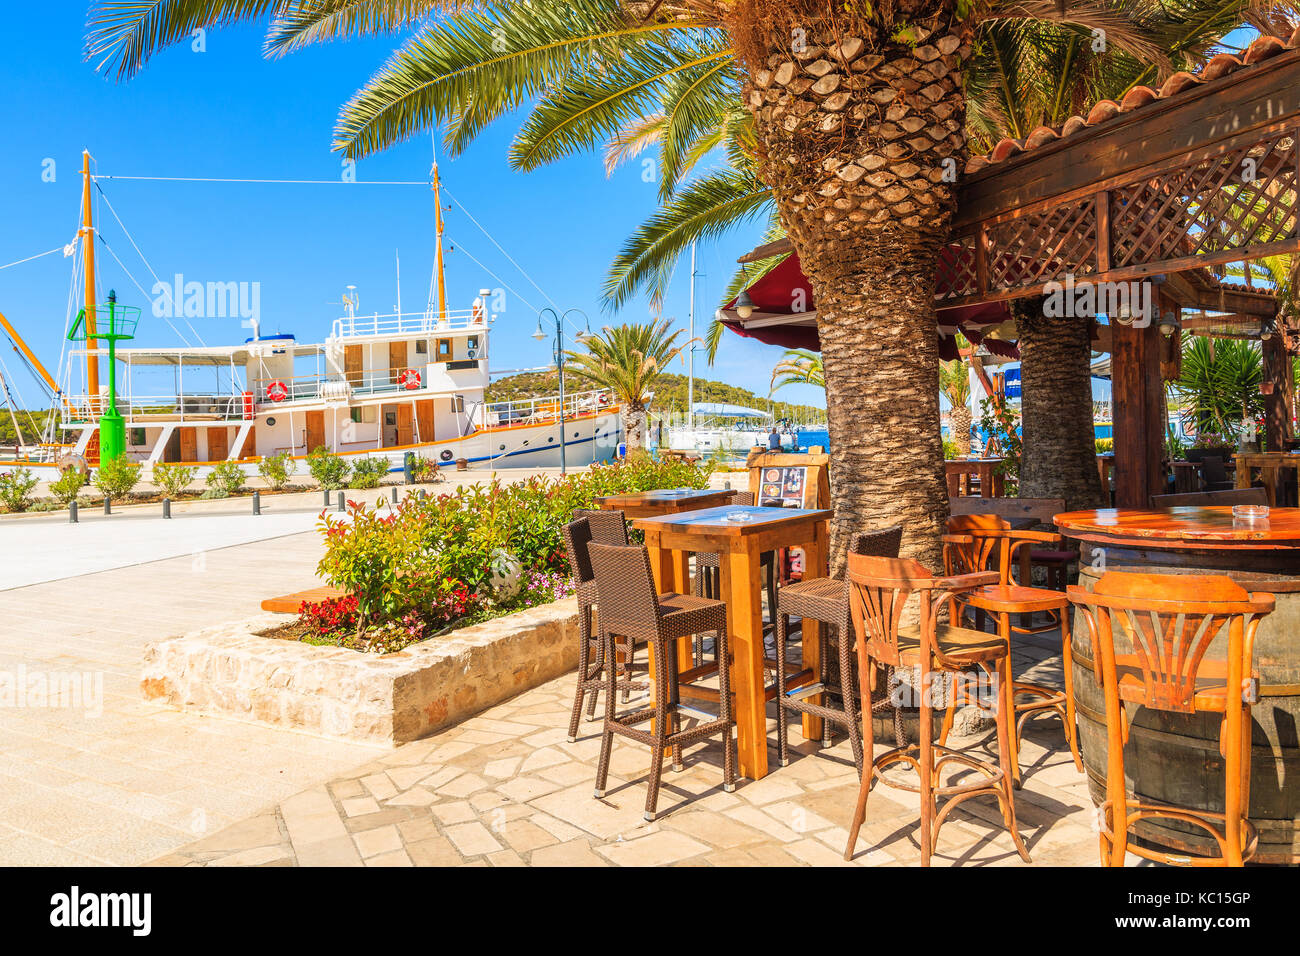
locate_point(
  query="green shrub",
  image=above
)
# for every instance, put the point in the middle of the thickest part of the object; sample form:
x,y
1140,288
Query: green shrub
x,y
16,489
329,470
423,470
226,476
173,479
214,493
277,469
69,485
950,450
117,476
368,472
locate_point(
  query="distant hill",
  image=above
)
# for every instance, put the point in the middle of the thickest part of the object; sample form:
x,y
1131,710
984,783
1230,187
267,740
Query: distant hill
x,y
670,394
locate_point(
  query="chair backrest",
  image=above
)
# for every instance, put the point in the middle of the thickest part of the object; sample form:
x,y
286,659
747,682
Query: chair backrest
x,y
1158,628
1234,496
607,527
625,588
577,541
878,592
743,499
1040,509
880,543
1212,469
974,543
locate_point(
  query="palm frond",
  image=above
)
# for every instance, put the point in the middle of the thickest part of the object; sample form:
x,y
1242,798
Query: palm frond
x,y
318,21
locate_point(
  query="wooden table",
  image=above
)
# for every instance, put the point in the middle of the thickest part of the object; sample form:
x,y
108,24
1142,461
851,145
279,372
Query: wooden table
x,y
666,501
739,545
958,471
1270,465
1180,761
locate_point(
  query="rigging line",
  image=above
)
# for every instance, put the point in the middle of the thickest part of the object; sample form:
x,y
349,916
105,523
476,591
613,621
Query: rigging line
x,y
175,306
275,182
471,218
507,285
30,258
141,288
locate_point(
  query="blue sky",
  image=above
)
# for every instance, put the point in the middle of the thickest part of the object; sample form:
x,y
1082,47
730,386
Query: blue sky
x,y
227,112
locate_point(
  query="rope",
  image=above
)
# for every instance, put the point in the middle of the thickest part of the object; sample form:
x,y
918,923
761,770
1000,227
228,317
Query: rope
x,y
275,182
38,255
503,282
108,202
141,288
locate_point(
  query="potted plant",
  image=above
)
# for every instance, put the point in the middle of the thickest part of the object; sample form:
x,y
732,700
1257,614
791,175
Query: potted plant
x,y
1210,445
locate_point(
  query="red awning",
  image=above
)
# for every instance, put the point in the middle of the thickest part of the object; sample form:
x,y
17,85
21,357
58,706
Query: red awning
x,y
784,288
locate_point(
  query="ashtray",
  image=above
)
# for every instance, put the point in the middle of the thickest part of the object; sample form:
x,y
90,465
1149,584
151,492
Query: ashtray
x,y
738,516
1249,512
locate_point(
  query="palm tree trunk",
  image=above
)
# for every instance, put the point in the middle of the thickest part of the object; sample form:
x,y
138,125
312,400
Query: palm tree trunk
x,y
1059,455
860,127
635,432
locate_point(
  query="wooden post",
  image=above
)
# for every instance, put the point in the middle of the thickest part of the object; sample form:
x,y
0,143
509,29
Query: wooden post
x,y
1277,412
1137,396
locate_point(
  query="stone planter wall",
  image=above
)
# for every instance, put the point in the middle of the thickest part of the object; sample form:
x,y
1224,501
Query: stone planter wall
x,y
229,671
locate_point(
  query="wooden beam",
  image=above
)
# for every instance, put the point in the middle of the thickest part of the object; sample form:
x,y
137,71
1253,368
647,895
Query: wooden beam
x,y
1138,410
1180,128
1278,429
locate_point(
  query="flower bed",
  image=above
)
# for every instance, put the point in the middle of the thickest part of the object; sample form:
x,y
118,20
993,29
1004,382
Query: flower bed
x,y
426,565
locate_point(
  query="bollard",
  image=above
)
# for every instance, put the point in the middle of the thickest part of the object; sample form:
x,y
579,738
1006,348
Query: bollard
x,y
726,485
108,505
327,497
167,507
423,494
397,493
343,502
72,511
257,502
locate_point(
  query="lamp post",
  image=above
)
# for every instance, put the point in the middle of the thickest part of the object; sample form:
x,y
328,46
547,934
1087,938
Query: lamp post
x,y
581,338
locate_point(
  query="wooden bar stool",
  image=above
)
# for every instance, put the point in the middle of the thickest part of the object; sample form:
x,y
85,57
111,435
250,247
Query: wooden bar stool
x,y
602,527
826,600
879,590
630,608
988,543
1156,658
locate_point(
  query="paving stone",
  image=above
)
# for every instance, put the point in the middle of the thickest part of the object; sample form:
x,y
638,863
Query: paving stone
x,y
472,839
655,849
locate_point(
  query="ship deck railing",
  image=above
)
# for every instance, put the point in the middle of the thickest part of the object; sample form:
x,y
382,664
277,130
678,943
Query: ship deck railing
x,y
410,323
534,411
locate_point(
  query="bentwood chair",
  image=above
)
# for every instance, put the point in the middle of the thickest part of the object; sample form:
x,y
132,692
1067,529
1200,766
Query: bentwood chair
x,y
629,608
1150,636
603,527
879,590
827,600
988,543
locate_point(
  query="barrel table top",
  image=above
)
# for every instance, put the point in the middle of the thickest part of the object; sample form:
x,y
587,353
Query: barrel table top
x,y
1208,528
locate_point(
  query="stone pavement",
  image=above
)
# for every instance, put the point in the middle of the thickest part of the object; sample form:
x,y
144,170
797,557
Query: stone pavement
x,y
105,777
505,788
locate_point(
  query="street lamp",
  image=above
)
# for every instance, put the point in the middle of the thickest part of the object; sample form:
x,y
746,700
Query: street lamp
x,y
582,338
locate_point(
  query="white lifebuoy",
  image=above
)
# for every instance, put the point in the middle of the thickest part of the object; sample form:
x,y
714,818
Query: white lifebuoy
x,y
409,379
277,391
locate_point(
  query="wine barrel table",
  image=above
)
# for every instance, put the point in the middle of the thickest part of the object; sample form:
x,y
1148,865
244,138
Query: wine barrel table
x,y
1174,758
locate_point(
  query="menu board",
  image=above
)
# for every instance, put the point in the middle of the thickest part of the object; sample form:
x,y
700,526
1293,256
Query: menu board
x,y
782,486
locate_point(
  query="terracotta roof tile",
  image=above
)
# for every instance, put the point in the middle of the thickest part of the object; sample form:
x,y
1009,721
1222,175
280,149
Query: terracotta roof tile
x,y
1219,66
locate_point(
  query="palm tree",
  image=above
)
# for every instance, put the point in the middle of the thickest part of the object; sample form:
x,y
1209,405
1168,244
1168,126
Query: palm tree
x,y
627,360
954,385
1220,384
858,116
798,367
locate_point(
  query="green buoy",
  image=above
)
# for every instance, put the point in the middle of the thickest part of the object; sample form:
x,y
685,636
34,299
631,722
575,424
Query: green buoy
x,y
122,320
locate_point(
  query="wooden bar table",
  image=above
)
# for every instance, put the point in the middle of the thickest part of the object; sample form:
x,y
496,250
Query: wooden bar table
x,y
1270,465
1175,758
739,545
959,470
674,574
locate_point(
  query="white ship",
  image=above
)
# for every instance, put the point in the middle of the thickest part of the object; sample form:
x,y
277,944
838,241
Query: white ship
x,y
378,386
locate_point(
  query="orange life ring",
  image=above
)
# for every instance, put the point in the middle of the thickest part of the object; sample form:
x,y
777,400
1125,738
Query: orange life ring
x,y
277,391
409,379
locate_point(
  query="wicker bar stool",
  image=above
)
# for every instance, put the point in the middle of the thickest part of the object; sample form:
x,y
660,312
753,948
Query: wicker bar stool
x,y
602,527
988,543
630,608
1156,659
827,600
879,588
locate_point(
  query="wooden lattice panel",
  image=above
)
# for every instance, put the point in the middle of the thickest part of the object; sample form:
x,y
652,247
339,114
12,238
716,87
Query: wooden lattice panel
x,y
1243,198
1043,247
958,272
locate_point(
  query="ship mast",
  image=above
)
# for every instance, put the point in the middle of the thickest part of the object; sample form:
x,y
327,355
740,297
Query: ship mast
x,y
437,218
87,233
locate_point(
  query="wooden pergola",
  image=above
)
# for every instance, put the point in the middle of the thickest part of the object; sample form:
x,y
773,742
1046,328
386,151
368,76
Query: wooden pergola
x,y
1170,185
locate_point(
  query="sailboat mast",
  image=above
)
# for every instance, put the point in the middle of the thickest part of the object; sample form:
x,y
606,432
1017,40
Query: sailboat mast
x,y
437,217
87,233
690,355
